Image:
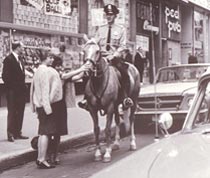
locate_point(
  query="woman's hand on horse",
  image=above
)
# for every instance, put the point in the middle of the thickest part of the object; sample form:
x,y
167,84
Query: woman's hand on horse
x,y
86,67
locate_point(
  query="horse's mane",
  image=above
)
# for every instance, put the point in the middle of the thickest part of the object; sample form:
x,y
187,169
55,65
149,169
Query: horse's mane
x,y
92,41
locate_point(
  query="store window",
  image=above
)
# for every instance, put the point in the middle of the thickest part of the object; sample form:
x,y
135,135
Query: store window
x,y
199,35
34,41
5,44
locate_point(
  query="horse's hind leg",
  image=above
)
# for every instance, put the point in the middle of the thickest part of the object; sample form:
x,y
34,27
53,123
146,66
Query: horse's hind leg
x,y
132,136
98,154
116,145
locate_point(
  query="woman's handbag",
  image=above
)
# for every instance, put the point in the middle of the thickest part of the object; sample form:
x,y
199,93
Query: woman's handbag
x,y
34,142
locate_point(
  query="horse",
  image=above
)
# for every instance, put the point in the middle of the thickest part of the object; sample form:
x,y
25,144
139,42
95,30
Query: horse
x,y
102,92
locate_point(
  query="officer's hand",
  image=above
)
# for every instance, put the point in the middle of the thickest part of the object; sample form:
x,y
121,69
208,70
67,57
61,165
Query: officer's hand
x,y
117,54
110,57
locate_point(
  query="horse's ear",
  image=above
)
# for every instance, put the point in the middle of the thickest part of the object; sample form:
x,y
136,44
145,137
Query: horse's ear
x,y
85,37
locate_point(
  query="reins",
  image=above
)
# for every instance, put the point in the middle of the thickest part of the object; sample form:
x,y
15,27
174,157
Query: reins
x,y
103,72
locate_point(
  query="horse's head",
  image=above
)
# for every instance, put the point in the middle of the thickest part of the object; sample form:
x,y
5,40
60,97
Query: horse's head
x,y
92,54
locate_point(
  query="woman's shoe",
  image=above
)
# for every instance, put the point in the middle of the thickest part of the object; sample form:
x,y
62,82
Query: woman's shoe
x,y
44,165
56,162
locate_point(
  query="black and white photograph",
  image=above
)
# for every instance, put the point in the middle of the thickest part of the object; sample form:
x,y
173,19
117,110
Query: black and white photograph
x,y
104,88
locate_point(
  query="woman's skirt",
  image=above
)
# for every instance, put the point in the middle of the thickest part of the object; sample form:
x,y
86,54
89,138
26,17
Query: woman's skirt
x,y
54,123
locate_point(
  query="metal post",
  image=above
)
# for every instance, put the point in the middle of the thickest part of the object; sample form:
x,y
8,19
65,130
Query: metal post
x,y
154,74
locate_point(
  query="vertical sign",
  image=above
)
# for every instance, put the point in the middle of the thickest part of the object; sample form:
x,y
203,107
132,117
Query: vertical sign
x,y
171,27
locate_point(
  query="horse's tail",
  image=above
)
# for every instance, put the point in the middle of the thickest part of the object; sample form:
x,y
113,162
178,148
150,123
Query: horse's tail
x,y
134,81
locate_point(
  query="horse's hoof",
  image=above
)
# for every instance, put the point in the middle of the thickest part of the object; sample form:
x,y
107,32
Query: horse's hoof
x,y
98,158
116,147
106,159
133,147
98,155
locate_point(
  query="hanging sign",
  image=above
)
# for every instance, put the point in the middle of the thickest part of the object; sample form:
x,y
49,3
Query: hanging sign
x,y
171,25
57,7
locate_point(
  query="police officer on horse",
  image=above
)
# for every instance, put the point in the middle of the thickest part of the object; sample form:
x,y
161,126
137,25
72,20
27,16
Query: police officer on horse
x,y
112,40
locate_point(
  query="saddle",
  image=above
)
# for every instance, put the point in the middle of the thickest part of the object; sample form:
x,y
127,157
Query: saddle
x,y
124,79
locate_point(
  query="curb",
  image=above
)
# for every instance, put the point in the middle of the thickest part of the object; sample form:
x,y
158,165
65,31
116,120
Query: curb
x,y
24,156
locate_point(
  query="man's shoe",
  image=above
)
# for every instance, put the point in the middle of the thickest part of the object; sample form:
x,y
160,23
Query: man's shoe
x,y
127,103
83,104
21,137
11,139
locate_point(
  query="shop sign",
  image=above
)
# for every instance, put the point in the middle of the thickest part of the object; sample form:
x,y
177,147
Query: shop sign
x,y
38,4
149,27
57,7
171,25
172,20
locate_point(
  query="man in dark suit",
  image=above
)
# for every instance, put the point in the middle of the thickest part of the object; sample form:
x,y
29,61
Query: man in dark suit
x,y
13,75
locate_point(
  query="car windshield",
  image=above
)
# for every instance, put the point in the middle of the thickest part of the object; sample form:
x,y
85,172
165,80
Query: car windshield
x,y
202,114
180,73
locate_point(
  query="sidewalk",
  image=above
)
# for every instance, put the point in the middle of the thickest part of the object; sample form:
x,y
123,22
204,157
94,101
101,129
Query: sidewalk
x,y
80,129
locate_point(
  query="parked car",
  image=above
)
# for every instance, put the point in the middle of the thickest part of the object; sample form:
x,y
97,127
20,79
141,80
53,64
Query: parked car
x,y
172,92
184,154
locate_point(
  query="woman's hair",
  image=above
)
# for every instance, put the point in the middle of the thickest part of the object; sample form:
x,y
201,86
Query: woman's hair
x,y
57,61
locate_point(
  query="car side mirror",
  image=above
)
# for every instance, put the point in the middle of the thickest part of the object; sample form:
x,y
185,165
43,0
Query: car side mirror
x,y
165,122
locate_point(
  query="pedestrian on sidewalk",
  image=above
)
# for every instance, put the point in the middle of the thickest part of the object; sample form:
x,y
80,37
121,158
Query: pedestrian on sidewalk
x,y
61,120
46,98
140,61
13,76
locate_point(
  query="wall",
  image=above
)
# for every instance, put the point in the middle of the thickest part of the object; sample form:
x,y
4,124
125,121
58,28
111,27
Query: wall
x,y
187,32
124,5
6,11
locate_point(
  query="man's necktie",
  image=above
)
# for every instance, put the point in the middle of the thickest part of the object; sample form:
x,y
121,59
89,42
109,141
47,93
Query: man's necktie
x,y
108,39
19,61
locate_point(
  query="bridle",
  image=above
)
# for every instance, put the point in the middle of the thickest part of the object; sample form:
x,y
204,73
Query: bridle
x,y
97,70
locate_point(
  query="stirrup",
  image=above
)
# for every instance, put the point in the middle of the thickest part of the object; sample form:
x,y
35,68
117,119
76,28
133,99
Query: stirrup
x,y
127,103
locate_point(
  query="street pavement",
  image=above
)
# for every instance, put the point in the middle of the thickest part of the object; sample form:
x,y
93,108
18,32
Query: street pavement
x,y
80,131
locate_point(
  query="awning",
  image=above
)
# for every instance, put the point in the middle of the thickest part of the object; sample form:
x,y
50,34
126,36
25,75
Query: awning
x,y
202,3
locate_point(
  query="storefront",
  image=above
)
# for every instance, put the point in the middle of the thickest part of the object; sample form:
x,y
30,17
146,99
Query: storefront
x,y
147,35
195,27
40,24
171,33
168,30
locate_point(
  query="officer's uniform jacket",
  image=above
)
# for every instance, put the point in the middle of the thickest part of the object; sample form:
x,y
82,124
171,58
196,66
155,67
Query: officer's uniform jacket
x,y
118,37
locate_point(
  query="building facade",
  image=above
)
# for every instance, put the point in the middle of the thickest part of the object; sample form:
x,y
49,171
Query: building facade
x,y
169,29
166,29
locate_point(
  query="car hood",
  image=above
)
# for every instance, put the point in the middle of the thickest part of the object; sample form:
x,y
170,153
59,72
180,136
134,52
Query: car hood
x,y
186,156
166,88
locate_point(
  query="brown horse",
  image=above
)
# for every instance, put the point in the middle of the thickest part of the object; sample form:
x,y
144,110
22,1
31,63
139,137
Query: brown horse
x,y
102,92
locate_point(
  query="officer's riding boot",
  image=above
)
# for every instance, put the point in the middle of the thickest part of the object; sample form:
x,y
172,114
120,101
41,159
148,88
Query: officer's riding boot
x,y
83,104
125,83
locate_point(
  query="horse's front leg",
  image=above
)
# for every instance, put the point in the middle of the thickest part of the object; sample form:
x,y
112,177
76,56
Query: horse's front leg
x,y
116,145
98,154
108,150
